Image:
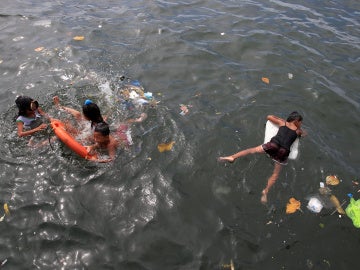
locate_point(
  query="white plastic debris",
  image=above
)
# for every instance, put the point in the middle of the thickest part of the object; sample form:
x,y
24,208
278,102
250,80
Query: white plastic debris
x,y
315,205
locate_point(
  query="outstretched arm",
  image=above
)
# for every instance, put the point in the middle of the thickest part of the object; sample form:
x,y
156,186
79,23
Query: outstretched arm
x,y
72,111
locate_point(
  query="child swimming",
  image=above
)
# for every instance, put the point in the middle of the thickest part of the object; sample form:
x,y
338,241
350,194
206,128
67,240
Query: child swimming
x,y
278,148
104,141
101,137
29,118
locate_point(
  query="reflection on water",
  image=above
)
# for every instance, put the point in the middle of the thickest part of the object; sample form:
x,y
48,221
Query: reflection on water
x,y
180,209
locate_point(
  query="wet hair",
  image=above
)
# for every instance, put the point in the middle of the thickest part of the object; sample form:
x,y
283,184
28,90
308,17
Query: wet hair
x,y
294,116
25,103
103,128
92,112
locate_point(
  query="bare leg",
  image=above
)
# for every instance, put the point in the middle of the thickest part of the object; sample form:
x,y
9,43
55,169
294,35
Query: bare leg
x,y
257,149
271,181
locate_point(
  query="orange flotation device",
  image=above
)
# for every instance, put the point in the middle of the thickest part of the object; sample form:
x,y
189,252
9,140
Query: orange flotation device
x,y
69,141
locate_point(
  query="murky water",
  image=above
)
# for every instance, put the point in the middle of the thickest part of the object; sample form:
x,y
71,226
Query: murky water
x,y
181,209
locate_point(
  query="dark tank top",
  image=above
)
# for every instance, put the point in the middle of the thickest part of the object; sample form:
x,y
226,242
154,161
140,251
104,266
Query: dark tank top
x,y
285,137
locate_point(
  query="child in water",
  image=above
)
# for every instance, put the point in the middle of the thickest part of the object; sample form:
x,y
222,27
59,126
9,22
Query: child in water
x,y
29,119
101,137
90,112
104,141
278,148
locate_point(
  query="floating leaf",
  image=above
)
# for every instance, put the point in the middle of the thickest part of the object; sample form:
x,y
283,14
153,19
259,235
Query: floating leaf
x,y
337,204
332,180
6,209
78,38
165,146
292,206
265,80
39,49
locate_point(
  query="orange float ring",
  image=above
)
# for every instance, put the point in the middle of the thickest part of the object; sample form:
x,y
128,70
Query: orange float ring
x,y
69,141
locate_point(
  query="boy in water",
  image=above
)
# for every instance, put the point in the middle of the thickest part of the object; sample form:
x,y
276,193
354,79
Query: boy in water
x,y
278,148
104,141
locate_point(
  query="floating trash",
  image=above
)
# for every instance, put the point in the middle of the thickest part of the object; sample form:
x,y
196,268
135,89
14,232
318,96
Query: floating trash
x,y
16,39
292,206
162,147
337,204
133,95
229,266
332,180
6,209
78,38
43,23
39,49
324,190
315,205
148,95
353,211
290,76
265,80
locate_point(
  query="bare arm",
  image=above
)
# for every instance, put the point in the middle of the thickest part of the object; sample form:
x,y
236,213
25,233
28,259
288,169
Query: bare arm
x,y
42,113
22,133
113,145
72,111
276,120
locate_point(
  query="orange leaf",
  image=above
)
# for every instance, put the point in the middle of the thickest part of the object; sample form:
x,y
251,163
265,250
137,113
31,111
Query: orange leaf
x,y
265,80
292,206
78,38
165,146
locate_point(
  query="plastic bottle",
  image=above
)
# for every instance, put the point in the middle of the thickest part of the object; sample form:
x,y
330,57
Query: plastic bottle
x,y
353,211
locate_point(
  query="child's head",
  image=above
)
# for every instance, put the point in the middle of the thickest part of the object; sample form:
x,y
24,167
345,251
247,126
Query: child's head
x,y
101,134
295,117
92,112
25,105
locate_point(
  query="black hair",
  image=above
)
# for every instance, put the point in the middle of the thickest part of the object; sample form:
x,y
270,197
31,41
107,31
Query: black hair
x,y
294,116
103,128
24,103
92,112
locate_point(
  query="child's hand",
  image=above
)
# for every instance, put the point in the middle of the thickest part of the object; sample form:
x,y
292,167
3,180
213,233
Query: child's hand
x,y
42,127
105,160
90,149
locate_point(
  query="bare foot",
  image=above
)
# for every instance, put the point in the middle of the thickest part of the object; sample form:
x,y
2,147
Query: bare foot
x,y
228,159
263,197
